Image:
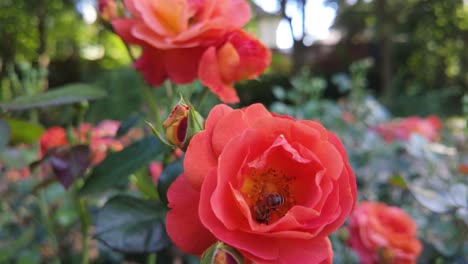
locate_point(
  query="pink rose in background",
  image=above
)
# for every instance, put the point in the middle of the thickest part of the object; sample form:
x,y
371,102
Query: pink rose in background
x,y
102,140
383,234
181,39
403,128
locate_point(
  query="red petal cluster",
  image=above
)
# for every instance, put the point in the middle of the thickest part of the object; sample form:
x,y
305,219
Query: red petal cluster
x,y
185,39
242,158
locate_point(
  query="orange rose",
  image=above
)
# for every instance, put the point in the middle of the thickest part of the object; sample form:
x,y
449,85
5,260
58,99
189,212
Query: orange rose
x,y
383,234
183,38
270,186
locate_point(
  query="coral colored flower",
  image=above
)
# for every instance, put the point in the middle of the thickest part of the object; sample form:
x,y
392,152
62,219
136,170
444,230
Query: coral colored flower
x,y
270,186
383,234
403,128
240,57
52,137
177,34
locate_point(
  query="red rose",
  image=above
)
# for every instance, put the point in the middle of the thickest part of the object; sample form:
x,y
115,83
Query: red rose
x,y
270,186
183,38
52,137
383,234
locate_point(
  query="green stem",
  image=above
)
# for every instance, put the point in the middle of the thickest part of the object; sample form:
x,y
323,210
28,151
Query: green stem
x,y
47,220
152,258
85,223
170,92
201,97
152,104
130,53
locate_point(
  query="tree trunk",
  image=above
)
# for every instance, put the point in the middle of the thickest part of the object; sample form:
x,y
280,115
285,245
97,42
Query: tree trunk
x,y
384,42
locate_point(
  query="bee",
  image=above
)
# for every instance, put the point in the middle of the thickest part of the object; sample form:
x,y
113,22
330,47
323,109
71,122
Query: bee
x,y
266,205
273,200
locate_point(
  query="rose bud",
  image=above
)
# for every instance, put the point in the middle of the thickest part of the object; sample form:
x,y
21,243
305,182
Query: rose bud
x,y
220,253
183,122
176,125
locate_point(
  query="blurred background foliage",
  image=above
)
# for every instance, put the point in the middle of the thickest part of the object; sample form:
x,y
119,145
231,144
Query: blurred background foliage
x,y
393,58
419,48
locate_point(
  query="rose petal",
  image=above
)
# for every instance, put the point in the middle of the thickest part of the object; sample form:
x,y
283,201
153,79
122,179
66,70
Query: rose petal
x,y
182,64
260,246
199,159
150,64
183,224
210,75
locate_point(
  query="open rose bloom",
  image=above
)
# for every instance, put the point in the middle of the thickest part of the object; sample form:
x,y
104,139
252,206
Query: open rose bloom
x,y
185,39
383,234
270,186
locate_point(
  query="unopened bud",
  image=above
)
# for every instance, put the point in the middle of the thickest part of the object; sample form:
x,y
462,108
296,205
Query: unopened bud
x,y
176,125
182,124
220,253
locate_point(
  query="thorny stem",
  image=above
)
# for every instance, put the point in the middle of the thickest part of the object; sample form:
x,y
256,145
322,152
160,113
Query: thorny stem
x,y
147,93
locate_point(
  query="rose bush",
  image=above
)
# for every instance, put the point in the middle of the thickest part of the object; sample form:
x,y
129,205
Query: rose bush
x,y
184,39
242,159
383,234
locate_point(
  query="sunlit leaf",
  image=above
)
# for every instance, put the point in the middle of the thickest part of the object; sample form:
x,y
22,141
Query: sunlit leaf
x,y
71,93
23,132
132,225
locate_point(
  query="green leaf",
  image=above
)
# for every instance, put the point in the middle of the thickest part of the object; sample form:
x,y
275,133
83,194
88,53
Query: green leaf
x,y
10,248
168,176
398,181
132,225
4,134
118,166
145,185
127,125
71,93
23,132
